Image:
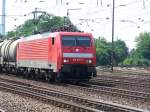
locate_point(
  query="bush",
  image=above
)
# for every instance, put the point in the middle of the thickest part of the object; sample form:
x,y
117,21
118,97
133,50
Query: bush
x,y
128,61
136,62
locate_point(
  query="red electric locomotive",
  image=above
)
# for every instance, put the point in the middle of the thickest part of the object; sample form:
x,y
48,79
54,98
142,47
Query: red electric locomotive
x,y
59,56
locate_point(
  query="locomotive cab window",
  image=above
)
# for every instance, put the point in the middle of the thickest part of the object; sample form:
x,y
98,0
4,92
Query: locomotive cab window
x,y
76,41
68,41
83,41
53,40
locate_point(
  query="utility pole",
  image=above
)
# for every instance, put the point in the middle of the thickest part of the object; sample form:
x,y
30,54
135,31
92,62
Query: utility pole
x,y
68,13
112,55
35,18
56,2
97,3
3,16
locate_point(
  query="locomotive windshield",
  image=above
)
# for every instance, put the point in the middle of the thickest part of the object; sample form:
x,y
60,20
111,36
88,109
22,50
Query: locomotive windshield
x,y
76,41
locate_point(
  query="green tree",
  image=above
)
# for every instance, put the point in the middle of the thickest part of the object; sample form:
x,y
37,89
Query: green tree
x,y
143,45
103,51
26,29
1,36
45,22
120,51
10,34
140,56
48,22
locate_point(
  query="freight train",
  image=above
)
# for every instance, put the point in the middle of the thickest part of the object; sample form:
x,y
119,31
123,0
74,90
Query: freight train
x,y
58,56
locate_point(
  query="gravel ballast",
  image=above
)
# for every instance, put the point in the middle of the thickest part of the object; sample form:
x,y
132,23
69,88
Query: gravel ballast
x,y
16,103
85,94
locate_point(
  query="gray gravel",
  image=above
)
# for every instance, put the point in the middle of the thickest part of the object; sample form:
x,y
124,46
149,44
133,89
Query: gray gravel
x,y
89,95
15,103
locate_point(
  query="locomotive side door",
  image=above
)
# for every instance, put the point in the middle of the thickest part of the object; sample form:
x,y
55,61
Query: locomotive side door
x,y
53,53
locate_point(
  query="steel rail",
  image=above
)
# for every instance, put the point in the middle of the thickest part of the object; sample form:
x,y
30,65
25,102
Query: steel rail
x,y
43,97
114,82
114,91
126,72
85,102
124,92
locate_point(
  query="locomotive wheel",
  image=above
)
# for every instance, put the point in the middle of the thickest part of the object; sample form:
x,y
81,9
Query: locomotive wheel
x,y
59,77
15,71
51,77
7,70
47,77
27,75
33,75
0,69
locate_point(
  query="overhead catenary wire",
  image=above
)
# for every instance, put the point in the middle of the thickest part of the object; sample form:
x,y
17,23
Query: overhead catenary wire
x,y
101,9
110,8
127,4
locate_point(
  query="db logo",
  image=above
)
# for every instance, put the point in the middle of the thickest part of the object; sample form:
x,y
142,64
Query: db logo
x,y
77,50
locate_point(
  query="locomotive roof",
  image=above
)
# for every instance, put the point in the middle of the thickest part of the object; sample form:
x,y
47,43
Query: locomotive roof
x,y
36,36
49,34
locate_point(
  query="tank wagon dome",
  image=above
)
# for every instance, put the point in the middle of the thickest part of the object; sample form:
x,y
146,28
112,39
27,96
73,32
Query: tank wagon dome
x,y
9,49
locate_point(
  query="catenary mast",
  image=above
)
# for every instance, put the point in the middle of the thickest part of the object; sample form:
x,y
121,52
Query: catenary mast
x,y
3,17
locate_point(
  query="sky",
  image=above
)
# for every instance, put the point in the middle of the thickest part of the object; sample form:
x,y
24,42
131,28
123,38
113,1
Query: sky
x,y
95,16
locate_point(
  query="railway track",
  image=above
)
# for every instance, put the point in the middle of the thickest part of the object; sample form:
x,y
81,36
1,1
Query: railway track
x,y
133,72
123,92
1,110
126,71
61,99
114,91
120,82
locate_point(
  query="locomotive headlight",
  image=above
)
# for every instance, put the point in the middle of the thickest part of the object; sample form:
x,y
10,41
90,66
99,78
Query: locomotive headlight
x,y
65,60
89,61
